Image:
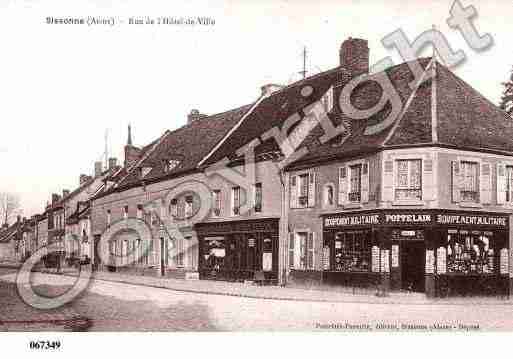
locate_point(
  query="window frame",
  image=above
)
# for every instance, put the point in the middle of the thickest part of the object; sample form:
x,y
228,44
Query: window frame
x,y
462,190
409,160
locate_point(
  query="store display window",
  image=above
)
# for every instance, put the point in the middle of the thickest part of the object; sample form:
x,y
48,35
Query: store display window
x,y
352,251
470,252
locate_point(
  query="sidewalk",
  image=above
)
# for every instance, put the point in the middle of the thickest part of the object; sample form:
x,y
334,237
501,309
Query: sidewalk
x,y
282,293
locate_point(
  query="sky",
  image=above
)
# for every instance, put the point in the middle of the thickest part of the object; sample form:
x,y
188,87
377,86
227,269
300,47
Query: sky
x,y
63,86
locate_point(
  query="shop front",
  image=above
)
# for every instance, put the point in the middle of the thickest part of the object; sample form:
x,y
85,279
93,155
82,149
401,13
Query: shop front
x,y
442,253
239,250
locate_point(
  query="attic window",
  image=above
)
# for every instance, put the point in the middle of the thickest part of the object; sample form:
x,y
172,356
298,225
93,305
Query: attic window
x,y
145,171
169,165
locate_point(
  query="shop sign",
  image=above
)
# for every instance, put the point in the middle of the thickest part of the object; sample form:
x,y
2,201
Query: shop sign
x,y
407,218
504,261
385,261
326,258
395,256
430,261
441,260
477,220
352,220
267,262
375,258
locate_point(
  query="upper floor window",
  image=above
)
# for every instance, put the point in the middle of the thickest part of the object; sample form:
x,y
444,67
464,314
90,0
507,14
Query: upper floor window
x,y
303,190
258,197
469,186
109,218
355,189
216,199
125,212
236,201
408,184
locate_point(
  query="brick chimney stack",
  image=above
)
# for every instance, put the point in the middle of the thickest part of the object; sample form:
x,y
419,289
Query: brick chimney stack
x,y
55,198
195,115
354,55
98,168
113,162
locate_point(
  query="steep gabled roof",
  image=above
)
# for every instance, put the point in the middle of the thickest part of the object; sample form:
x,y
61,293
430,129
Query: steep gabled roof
x,y
187,145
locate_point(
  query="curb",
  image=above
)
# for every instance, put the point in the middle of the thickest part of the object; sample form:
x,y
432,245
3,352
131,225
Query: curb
x,y
364,298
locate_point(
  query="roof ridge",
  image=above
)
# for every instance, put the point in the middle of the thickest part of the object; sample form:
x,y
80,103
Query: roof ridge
x,y
407,104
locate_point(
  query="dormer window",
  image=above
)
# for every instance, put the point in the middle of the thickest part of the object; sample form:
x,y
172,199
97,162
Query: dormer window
x,y
145,171
170,165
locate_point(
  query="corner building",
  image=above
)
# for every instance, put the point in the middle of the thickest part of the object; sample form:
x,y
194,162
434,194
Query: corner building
x,y
422,205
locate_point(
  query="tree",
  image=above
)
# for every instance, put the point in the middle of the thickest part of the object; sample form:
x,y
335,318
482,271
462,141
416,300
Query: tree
x,y
507,96
9,207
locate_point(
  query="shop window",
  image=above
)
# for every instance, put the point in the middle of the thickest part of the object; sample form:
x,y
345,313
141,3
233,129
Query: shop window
x,y
303,191
470,252
258,197
352,252
408,184
355,187
509,183
216,202
469,188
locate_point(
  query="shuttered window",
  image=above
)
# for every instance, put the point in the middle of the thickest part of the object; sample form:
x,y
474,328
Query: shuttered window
x,y
408,183
355,190
469,184
303,190
291,250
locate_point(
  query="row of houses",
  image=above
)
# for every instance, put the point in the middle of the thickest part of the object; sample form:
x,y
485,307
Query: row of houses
x,y
292,190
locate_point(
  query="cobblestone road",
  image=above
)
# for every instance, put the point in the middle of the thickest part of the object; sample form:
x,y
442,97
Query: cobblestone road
x,y
125,307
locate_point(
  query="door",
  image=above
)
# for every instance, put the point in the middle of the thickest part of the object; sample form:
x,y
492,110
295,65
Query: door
x,y
413,258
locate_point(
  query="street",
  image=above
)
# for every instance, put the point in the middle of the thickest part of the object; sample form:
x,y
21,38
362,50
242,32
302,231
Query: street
x,y
111,306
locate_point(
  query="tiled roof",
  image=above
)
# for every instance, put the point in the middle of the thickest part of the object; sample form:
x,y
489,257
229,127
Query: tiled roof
x,y
274,110
188,145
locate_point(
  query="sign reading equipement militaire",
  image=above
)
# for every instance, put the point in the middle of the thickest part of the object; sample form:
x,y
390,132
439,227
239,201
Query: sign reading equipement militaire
x,y
477,220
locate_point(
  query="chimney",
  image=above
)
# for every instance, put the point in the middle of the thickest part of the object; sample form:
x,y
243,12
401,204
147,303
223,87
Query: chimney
x,y
98,168
113,162
270,88
65,193
55,198
83,179
354,55
194,116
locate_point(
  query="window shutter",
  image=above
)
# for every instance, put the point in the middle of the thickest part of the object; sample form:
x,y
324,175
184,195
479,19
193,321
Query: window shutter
x,y
501,183
388,181
456,181
291,250
311,189
293,192
243,199
428,181
342,185
310,250
485,185
365,182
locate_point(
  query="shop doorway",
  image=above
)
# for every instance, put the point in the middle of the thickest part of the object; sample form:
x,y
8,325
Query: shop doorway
x,y
413,258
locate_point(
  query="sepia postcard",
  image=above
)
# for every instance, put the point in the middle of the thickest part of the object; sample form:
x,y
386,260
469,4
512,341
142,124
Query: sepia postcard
x,y
322,167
